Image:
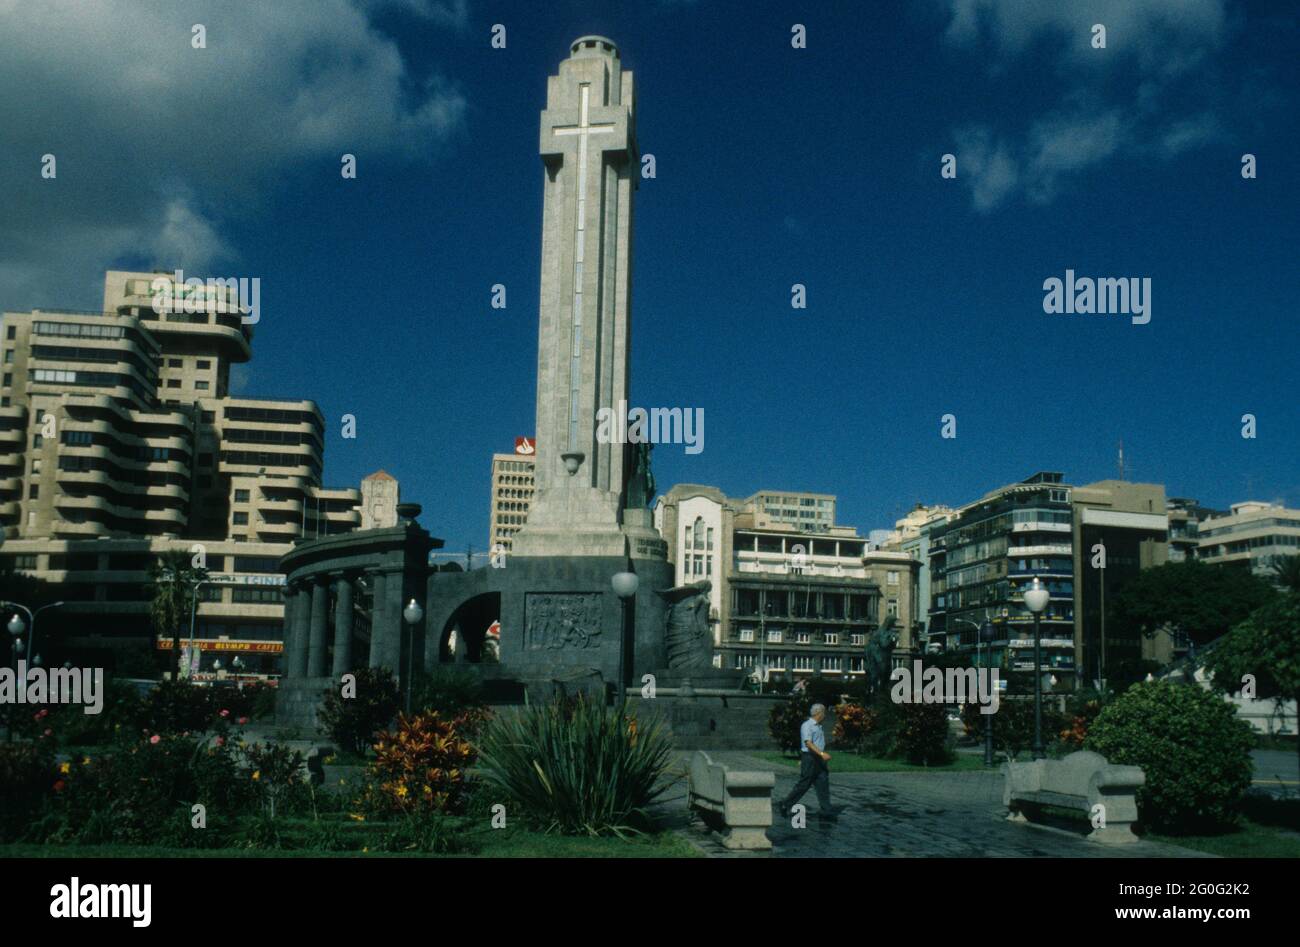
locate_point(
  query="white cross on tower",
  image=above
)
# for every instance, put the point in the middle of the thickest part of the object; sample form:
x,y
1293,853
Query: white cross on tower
x,y
584,129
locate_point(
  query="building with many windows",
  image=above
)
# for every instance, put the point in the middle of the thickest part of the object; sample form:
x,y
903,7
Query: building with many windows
x,y
513,485
119,440
1251,535
1083,543
793,601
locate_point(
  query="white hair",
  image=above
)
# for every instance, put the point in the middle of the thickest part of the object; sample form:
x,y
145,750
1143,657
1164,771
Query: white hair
x,y
816,708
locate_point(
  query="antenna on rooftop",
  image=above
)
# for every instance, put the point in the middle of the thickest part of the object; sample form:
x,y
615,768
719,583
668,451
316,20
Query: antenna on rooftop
x,y
1121,459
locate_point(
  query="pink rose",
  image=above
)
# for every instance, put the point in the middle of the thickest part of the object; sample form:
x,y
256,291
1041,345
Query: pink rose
x,y
155,738
242,720
225,713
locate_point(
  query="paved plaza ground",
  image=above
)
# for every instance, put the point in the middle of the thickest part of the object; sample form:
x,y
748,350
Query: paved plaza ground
x,y
905,815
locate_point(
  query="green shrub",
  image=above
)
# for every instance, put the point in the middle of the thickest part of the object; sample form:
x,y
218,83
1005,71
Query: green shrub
x,y
274,773
27,777
447,691
352,722
1194,751
123,713
129,795
177,707
576,767
922,735
1013,725
853,724
784,721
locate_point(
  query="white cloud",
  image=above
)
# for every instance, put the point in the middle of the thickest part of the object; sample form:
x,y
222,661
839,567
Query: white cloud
x,y
1160,108
159,144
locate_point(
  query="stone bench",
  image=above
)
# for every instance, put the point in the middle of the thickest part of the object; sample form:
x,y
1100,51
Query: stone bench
x,y
1081,781
736,803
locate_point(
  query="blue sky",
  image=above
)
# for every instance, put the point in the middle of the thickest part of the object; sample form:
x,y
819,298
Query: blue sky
x,y
775,166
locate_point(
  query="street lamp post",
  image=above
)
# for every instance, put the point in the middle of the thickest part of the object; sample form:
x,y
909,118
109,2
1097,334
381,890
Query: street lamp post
x,y
625,586
987,634
1036,599
412,613
17,626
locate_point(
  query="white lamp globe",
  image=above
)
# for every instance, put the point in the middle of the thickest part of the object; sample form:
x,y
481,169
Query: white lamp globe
x,y
1036,597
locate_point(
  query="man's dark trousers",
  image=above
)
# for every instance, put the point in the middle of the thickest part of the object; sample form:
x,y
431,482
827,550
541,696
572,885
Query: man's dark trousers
x,y
813,774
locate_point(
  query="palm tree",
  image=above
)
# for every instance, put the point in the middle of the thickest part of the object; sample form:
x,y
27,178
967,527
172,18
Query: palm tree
x,y
173,584
1286,571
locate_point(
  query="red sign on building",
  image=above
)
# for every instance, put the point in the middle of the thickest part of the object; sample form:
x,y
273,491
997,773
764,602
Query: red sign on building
x,y
525,445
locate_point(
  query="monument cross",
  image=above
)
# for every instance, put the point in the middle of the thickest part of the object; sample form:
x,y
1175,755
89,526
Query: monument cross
x,y
588,148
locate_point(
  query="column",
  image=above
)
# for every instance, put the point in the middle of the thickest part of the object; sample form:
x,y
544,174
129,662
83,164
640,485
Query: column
x,y
343,625
320,605
290,609
297,644
379,630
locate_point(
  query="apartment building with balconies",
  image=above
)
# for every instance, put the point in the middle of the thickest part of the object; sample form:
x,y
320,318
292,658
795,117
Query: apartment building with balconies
x,y
119,441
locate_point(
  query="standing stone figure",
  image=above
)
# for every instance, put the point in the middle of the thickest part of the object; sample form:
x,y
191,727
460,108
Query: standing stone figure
x,y
688,638
879,656
640,479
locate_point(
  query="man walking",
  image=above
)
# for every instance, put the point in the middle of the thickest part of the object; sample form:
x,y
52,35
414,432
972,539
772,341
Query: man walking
x,y
813,758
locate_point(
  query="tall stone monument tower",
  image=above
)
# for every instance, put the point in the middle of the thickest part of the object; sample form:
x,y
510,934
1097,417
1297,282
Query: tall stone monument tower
x,y
588,149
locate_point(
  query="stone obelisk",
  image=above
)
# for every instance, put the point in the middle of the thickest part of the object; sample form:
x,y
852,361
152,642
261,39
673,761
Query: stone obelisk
x,y
588,149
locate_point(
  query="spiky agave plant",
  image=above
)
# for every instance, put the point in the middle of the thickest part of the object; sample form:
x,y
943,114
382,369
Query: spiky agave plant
x,y
577,767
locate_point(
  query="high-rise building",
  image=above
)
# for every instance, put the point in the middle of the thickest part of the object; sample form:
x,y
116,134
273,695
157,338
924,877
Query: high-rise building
x,y
984,555
1252,535
512,492
796,595
120,440
1124,526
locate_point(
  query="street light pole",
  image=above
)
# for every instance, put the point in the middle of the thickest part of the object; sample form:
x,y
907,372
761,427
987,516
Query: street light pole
x,y
412,613
1036,599
625,585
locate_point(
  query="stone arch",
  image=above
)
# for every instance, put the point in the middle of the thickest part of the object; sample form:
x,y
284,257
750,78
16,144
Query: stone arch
x,y
471,618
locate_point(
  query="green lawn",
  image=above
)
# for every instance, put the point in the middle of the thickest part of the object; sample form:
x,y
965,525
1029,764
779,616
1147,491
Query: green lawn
x,y
854,763
500,843
1250,840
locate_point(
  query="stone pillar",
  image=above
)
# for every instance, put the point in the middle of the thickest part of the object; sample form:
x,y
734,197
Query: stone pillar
x,y
286,637
378,620
343,626
320,603
298,639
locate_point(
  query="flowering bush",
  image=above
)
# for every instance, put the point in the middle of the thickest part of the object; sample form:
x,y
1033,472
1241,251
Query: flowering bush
x,y
420,766
274,771
853,723
923,733
784,721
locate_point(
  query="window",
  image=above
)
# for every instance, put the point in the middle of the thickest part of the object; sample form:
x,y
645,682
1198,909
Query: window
x,y
830,664
803,637
241,496
892,578
9,356
10,334
173,382
747,634
803,662
174,363
774,637
857,639
204,363
241,519
892,608
200,386
831,637
9,379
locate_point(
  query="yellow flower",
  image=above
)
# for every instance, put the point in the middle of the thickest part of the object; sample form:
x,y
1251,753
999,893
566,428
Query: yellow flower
x,y
85,761
65,767
356,816
257,774
401,791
